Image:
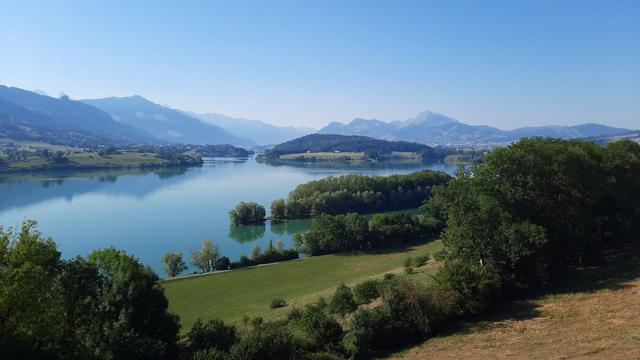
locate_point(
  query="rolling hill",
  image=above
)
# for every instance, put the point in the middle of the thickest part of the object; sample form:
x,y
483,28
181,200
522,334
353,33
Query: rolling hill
x,y
344,144
433,128
167,124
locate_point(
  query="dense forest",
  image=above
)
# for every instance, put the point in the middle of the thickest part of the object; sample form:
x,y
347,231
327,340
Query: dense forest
x,y
358,193
512,226
373,148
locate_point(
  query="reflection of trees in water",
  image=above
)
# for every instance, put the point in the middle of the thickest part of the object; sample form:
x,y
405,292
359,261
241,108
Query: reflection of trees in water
x,y
50,182
248,233
290,227
164,173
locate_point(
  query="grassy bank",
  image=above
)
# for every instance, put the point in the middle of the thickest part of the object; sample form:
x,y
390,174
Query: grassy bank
x,y
80,159
248,292
593,314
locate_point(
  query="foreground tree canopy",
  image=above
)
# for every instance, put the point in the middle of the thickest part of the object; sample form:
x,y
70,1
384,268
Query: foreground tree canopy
x,y
107,306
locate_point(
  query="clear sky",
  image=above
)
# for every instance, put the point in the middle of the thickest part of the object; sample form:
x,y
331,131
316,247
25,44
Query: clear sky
x,y
306,63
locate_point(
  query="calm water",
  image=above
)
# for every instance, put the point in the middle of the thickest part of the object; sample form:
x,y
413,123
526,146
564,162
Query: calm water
x,y
148,213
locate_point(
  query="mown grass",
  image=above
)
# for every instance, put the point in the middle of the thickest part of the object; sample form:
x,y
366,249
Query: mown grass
x,y
248,292
79,160
325,156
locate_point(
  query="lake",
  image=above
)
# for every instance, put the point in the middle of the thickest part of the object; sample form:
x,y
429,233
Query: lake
x,y
150,212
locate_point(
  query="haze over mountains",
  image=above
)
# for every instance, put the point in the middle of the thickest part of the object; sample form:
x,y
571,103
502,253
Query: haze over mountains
x,y
168,125
437,129
26,115
258,131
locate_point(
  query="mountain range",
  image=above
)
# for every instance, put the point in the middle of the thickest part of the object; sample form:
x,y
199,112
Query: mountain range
x,y
437,129
258,131
35,116
164,123
25,115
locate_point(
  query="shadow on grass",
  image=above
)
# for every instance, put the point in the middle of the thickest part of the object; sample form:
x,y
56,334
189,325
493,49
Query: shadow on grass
x,y
400,249
617,269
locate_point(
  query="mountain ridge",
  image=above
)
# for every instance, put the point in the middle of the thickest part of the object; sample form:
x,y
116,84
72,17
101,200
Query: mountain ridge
x,y
168,124
438,129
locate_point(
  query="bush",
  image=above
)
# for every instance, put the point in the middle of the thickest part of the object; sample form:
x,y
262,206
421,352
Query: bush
x,y
475,287
213,334
210,354
408,262
342,301
278,303
322,329
421,260
271,341
223,263
367,291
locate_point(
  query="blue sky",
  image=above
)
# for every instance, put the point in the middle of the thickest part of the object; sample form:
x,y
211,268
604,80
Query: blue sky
x,y
306,63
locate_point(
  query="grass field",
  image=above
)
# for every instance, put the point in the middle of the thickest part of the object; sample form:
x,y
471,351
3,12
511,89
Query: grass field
x,y
248,292
82,160
594,314
348,156
353,156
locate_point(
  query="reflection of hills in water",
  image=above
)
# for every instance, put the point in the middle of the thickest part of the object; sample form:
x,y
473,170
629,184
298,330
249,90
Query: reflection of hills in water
x,y
19,190
362,166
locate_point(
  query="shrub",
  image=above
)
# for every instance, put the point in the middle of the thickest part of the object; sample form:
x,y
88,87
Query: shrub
x,y
475,287
271,341
342,301
278,303
367,291
421,260
213,334
408,270
223,263
408,262
210,354
322,329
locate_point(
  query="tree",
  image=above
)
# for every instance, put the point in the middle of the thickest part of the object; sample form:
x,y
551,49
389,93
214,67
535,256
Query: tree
x,y
207,257
173,263
255,252
246,213
342,301
278,209
280,247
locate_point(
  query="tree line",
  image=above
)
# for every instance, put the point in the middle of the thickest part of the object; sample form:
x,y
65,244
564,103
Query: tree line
x,y
208,258
344,194
349,232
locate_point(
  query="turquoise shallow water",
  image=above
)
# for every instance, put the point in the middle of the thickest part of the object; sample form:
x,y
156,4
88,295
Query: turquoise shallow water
x,y
148,213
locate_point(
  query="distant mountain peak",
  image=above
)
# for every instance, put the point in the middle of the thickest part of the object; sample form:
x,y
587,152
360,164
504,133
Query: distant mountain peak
x,y
429,118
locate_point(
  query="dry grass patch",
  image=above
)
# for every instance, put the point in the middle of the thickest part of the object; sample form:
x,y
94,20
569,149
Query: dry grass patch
x,y
595,315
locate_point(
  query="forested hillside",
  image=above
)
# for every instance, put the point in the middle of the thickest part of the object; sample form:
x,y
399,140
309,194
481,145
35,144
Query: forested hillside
x,y
328,143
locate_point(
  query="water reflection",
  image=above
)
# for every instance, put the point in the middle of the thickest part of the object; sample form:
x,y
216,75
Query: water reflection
x,y
245,234
150,212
